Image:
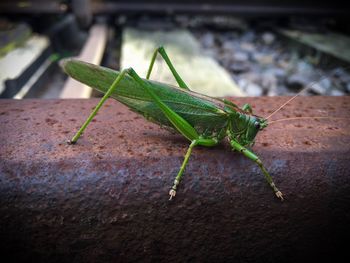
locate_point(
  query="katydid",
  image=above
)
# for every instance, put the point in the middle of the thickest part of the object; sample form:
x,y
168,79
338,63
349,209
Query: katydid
x,y
203,120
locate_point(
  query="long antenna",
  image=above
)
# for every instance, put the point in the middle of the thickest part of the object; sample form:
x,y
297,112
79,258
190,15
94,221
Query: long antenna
x,y
284,104
296,95
310,117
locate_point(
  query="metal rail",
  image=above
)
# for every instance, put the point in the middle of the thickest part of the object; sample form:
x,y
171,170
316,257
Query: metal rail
x,y
105,198
92,52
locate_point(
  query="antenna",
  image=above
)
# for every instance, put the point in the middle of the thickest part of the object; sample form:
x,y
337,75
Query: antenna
x,y
307,87
310,117
284,104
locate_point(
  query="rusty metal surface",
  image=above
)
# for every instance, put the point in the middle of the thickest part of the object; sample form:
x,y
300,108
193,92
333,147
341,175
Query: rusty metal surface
x,y
106,198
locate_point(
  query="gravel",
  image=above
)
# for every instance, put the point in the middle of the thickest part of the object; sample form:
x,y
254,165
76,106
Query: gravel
x,y
263,64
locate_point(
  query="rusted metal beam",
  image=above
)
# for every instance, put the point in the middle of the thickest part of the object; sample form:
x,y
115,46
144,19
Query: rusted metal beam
x,y
105,199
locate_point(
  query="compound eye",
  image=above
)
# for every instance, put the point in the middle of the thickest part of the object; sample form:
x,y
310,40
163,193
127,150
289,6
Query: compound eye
x,y
257,125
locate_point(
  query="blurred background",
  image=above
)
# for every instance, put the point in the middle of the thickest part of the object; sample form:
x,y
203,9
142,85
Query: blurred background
x,y
220,48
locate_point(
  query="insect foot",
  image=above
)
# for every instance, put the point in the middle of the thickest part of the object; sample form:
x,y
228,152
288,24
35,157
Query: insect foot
x,y
70,142
172,193
279,195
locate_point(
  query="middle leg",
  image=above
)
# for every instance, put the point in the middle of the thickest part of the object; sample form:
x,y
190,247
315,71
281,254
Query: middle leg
x,y
199,141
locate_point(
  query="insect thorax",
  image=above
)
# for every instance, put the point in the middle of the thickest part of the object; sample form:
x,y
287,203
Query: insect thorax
x,y
243,128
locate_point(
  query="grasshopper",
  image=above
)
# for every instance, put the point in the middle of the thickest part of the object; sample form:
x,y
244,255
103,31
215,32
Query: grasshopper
x,y
203,120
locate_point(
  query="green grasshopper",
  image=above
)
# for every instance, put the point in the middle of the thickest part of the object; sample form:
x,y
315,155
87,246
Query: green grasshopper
x,y
201,119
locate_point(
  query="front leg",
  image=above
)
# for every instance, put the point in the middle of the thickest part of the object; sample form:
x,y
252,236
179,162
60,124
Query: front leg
x,y
235,145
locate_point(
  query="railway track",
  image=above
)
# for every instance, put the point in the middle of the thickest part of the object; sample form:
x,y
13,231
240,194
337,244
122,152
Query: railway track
x,y
75,20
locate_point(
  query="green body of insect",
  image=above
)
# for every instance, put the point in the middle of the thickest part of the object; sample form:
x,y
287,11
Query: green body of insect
x,y
201,119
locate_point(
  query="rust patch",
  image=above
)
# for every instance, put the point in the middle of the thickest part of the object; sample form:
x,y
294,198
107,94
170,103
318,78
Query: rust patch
x,y
105,199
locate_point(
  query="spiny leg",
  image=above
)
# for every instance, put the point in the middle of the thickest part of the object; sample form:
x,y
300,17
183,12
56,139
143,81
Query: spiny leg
x,y
256,159
199,141
163,53
172,191
98,106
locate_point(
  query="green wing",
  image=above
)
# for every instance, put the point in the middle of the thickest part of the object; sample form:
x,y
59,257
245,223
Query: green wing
x,y
205,114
